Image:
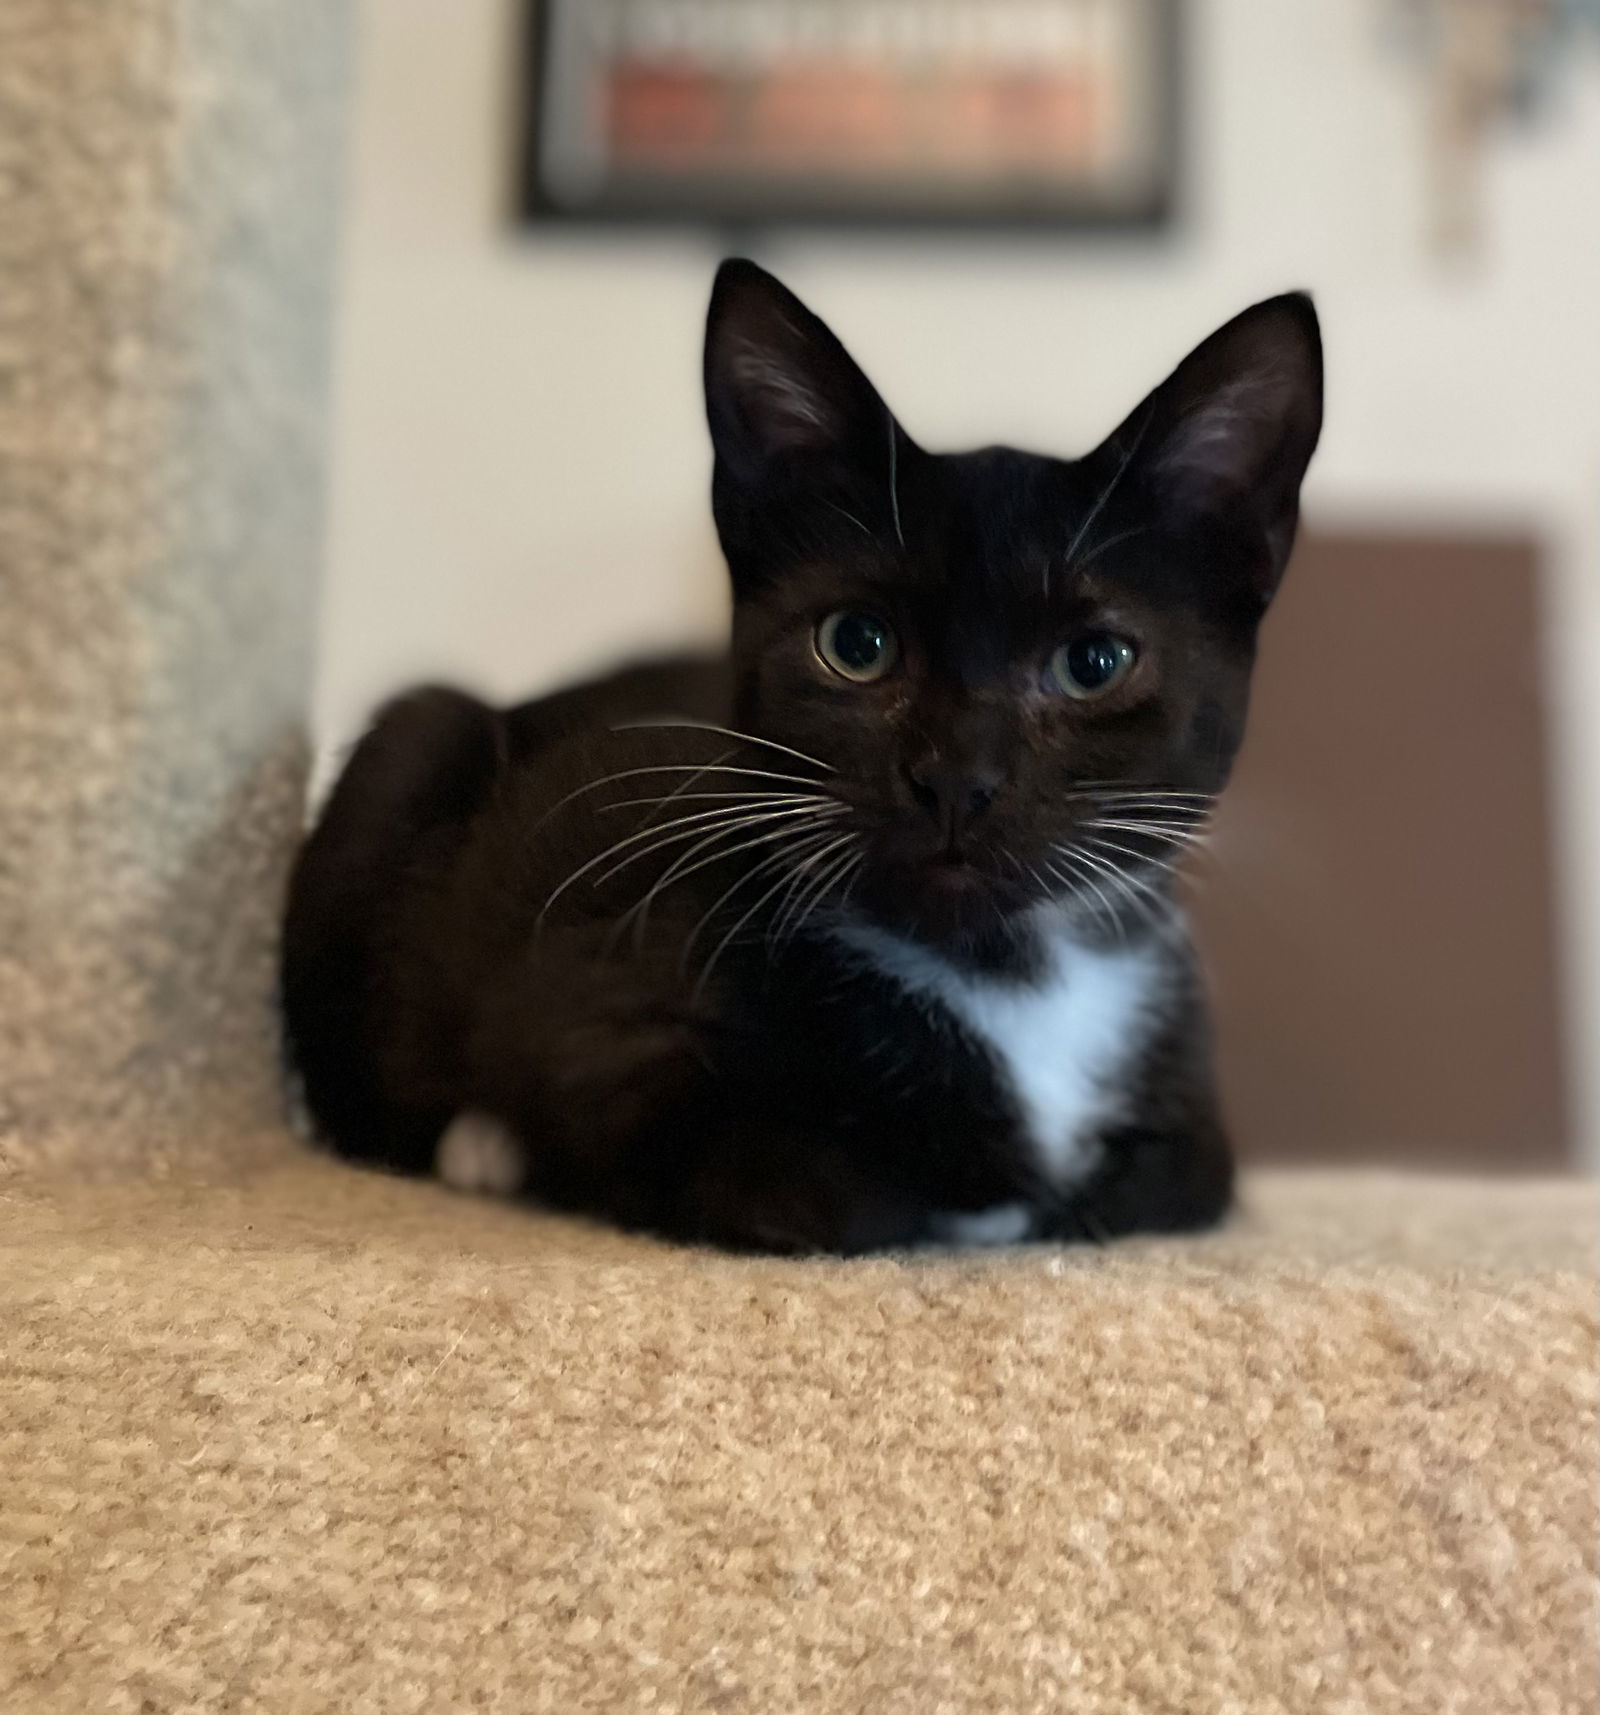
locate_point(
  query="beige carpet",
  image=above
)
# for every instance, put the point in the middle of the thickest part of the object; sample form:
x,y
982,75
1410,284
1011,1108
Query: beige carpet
x,y
323,1442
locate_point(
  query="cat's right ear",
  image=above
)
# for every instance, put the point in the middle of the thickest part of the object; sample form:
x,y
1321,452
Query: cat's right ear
x,y
1228,435
779,385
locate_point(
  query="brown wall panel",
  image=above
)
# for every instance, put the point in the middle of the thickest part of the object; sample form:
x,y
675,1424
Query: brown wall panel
x,y
1378,918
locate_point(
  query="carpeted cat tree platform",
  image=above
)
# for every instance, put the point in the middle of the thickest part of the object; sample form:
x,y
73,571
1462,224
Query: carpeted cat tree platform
x,y
279,1436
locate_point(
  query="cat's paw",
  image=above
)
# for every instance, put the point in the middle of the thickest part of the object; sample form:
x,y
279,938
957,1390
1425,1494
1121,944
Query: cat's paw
x,y
478,1153
1003,1224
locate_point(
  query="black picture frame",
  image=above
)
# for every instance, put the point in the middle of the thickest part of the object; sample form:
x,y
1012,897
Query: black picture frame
x,y
556,126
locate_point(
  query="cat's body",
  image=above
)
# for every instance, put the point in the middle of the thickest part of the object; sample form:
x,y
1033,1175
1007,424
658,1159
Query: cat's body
x,y
863,937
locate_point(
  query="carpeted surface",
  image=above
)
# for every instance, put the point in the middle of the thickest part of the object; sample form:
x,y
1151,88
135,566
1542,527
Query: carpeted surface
x,y
324,1442
170,174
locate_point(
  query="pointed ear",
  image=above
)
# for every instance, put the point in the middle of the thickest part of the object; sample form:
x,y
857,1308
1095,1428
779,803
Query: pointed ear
x,y
1228,435
778,382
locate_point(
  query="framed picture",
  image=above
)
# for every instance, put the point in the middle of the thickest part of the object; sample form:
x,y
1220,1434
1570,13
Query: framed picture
x,y
1056,112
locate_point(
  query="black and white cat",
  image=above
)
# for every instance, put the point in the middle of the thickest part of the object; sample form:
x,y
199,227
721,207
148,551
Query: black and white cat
x,y
862,936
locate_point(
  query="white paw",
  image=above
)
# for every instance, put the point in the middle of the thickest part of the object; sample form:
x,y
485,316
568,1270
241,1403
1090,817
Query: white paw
x,y
479,1154
1004,1224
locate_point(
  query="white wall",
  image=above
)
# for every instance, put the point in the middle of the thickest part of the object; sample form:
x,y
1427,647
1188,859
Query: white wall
x,y
520,460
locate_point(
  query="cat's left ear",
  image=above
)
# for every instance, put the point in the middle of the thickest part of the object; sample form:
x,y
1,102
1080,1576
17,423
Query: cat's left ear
x,y
779,384
1228,435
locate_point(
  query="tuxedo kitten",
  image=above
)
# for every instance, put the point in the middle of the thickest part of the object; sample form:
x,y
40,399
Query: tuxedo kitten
x,y
864,934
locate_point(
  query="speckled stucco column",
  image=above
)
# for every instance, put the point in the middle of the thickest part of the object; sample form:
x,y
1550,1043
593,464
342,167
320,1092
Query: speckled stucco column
x,y
169,175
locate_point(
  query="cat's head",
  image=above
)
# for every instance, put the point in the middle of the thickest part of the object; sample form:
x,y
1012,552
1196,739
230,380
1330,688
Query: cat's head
x,y
1025,676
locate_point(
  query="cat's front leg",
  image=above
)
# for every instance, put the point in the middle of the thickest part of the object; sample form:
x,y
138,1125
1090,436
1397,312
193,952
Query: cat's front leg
x,y
794,1192
1151,1181
781,1195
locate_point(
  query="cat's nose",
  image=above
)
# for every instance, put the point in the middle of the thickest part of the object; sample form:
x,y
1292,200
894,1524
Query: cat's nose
x,y
954,794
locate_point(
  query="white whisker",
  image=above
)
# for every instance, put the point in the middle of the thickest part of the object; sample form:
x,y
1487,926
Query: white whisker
x,y
1181,816
698,774
682,866
1143,786
726,732
1153,905
721,946
663,834
813,888
850,515
1110,488
852,876
1113,792
756,798
1163,864
787,906
735,824
819,892
1149,830
685,864
1078,882
797,878
694,769
1111,542
1139,893
800,847
894,478
1130,803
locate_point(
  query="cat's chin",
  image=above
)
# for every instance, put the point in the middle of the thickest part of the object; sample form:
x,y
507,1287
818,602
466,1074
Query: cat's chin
x,y
948,904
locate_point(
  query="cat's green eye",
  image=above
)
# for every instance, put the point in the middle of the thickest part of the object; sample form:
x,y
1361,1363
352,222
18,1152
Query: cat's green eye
x,y
1091,665
858,646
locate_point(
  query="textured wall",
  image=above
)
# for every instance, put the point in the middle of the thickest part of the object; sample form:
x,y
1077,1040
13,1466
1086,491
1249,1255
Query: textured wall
x,y
168,180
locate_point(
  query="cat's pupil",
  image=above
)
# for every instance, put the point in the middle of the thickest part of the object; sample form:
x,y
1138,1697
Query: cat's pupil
x,y
859,641
1094,661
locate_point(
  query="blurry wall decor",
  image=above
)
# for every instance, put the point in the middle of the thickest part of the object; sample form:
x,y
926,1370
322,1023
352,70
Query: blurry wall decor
x,y
862,110
1486,66
1403,918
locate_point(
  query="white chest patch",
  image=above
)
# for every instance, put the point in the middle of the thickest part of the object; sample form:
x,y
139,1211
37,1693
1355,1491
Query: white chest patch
x,y
1060,1043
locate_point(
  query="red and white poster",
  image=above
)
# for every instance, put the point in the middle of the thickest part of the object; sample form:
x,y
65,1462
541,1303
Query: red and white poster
x,y
998,110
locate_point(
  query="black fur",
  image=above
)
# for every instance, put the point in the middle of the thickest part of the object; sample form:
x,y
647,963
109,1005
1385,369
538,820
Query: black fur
x,y
720,1067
